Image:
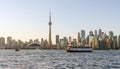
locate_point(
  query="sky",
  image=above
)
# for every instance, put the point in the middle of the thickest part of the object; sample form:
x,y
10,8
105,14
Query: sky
x,y
28,19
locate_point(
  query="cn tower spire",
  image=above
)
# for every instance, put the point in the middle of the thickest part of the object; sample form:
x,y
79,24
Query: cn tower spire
x,y
49,38
50,16
50,22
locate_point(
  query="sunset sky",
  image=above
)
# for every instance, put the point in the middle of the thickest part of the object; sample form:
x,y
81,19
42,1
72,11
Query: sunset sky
x,y
28,19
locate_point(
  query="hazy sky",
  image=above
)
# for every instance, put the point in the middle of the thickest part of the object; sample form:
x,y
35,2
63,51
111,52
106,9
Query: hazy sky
x,y
28,19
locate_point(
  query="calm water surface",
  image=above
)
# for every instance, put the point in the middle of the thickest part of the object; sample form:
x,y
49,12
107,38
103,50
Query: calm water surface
x,y
59,59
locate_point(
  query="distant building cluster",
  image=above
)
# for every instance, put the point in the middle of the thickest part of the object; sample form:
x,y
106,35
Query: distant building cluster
x,y
31,44
98,40
13,44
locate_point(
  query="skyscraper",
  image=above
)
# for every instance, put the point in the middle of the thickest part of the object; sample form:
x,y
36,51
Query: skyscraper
x,y
9,42
82,36
69,40
65,42
2,42
110,33
50,23
57,42
100,32
90,33
57,39
79,37
95,33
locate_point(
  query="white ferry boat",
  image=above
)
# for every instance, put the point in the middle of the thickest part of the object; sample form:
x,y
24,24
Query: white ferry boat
x,y
71,48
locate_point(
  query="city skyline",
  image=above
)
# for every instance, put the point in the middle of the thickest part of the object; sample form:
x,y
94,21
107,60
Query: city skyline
x,y
80,36
29,19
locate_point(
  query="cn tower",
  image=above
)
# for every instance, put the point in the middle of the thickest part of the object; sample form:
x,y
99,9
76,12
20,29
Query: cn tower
x,y
50,23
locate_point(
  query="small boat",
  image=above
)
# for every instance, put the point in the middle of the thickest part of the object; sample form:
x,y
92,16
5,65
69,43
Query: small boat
x,y
17,49
71,48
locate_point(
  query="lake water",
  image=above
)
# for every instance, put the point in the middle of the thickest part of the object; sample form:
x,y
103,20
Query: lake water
x,y
59,59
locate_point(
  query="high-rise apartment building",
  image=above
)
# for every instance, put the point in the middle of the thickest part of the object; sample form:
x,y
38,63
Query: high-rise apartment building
x,y
75,42
2,42
65,42
115,42
13,44
70,40
110,33
45,43
82,36
62,42
79,37
9,42
103,35
42,43
21,44
90,33
95,33
57,42
57,39
90,40
100,32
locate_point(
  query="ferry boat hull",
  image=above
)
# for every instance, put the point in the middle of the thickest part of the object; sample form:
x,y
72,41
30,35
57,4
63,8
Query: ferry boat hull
x,y
79,49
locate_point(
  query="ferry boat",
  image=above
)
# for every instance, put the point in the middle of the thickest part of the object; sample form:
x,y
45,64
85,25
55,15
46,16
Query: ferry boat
x,y
72,48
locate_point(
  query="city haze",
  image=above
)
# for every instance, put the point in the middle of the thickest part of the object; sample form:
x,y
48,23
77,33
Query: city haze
x,y
23,19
